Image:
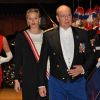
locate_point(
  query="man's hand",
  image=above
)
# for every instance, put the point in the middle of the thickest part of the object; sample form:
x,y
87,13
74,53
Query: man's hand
x,y
42,91
78,69
17,86
98,63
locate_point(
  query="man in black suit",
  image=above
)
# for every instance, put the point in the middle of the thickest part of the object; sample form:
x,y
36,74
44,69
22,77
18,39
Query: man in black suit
x,y
70,58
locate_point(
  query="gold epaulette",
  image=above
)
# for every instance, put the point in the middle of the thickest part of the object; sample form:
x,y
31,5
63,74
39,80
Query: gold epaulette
x,y
49,29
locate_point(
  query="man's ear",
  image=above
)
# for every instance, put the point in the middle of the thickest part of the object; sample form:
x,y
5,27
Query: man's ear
x,y
57,18
39,20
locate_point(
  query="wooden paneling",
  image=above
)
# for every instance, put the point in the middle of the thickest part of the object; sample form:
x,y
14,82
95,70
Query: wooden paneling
x,y
27,1
9,94
11,24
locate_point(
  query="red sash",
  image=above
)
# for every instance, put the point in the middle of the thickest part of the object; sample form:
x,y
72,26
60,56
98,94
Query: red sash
x,y
1,45
32,45
34,50
1,42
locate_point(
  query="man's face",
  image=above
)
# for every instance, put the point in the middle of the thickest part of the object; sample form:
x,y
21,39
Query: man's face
x,y
64,17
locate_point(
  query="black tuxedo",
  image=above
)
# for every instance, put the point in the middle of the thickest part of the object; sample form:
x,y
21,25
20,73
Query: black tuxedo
x,y
52,47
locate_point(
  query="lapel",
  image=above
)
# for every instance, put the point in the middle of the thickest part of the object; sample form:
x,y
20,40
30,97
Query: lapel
x,y
56,42
76,38
57,45
76,43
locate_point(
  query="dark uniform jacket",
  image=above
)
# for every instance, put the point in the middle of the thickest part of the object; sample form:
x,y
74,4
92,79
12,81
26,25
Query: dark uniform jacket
x,y
52,47
97,46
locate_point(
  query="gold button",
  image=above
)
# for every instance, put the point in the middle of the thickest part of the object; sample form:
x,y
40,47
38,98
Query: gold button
x,y
58,66
63,78
54,53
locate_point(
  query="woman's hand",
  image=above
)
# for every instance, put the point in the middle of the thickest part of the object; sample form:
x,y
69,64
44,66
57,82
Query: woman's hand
x,y
17,86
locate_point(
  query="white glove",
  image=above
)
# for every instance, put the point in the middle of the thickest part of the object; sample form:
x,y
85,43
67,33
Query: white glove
x,y
7,58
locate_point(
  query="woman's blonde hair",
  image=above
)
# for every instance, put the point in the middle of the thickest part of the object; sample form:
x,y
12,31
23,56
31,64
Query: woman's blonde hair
x,y
32,10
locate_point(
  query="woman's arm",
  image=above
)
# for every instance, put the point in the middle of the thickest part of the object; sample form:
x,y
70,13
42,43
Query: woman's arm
x,y
7,50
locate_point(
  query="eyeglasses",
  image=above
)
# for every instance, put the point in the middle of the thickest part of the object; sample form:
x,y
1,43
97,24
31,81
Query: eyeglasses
x,y
65,16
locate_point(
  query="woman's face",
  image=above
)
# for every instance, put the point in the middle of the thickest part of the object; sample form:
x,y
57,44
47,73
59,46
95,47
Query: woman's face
x,y
33,20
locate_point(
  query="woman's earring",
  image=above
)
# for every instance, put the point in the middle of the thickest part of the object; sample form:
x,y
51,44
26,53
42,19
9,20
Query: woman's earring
x,y
39,22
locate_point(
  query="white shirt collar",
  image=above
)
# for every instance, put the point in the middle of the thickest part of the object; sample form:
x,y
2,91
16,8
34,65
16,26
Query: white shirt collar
x,y
61,28
63,31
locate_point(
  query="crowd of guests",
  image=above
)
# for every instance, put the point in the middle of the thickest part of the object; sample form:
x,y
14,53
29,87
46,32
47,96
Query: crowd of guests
x,y
92,25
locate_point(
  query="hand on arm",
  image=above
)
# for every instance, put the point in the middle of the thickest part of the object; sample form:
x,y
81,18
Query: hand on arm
x,y
77,70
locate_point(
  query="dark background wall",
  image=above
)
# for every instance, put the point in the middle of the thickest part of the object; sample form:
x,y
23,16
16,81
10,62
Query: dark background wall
x,y
27,1
12,13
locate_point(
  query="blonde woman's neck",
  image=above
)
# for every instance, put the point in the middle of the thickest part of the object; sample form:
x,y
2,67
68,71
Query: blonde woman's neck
x,y
35,31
